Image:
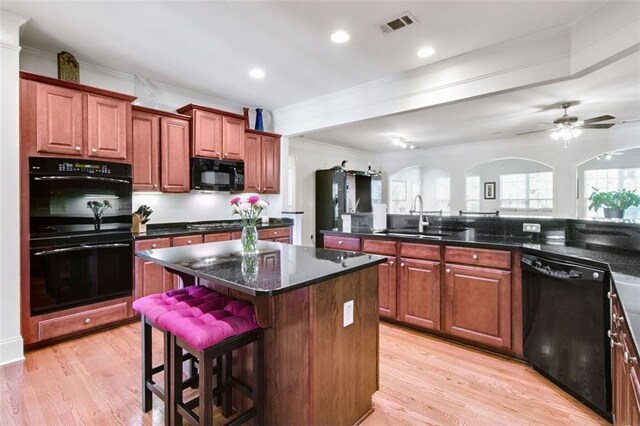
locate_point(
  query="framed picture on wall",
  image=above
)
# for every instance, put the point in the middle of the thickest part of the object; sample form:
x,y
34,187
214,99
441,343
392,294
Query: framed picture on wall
x,y
489,190
398,190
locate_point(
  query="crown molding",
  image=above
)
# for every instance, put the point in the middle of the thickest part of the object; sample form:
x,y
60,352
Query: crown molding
x,y
10,24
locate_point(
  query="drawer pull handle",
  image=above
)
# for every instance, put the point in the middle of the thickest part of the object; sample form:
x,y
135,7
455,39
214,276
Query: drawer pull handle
x,y
78,148
614,343
94,150
448,271
475,257
87,321
275,232
617,318
188,241
628,358
340,243
611,335
154,245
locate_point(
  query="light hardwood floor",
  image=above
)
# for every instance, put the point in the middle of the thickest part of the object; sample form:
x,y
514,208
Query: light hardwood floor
x,y
423,380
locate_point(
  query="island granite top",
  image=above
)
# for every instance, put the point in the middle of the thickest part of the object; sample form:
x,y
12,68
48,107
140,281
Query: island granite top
x,y
276,268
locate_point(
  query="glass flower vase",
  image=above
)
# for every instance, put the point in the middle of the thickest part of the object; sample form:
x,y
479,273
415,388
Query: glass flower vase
x,y
249,239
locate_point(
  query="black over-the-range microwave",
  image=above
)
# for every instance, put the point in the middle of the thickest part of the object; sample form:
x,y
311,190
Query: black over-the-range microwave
x,y
217,175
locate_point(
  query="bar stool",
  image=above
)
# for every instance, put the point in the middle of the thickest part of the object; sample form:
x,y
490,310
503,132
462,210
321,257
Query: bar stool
x,y
151,307
207,332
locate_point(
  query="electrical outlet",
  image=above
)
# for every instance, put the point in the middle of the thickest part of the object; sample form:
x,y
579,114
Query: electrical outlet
x,y
347,313
531,227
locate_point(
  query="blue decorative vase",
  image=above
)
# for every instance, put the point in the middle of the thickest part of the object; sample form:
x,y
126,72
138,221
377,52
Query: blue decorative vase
x,y
259,124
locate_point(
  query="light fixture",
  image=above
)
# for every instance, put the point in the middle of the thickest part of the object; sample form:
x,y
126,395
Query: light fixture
x,y
566,132
401,143
425,52
257,73
340,37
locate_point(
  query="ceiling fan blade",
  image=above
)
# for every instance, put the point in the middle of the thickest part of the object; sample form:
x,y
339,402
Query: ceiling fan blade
x,y
533,131
601,118
598,126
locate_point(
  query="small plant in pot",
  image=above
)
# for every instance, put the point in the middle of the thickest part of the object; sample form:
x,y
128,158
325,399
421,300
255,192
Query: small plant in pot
x,y
614,203
140,218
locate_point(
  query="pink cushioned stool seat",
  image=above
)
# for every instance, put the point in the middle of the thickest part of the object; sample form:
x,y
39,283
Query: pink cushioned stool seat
x,y
155,305
211,320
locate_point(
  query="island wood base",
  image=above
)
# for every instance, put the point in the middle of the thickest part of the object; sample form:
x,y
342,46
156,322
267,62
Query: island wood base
x,y
316,371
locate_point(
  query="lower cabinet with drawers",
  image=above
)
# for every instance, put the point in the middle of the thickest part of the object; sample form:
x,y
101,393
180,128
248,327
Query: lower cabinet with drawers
x,y
624,371
461,292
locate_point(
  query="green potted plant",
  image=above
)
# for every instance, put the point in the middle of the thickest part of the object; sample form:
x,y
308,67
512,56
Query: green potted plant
x,y
614,203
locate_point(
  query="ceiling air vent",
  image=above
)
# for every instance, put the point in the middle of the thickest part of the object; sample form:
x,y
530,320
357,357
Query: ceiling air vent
x,y
404,20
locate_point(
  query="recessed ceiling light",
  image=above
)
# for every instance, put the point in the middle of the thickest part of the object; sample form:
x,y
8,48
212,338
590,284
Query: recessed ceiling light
x,y
340,37
257,73
425,52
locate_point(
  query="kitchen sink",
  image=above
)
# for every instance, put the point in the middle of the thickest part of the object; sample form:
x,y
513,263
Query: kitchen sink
x,y
430,232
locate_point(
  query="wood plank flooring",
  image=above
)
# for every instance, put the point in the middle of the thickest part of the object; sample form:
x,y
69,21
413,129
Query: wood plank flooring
x,y
423,380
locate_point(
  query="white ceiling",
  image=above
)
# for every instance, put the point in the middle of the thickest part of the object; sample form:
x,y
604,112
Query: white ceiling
x,y
209,47
613,90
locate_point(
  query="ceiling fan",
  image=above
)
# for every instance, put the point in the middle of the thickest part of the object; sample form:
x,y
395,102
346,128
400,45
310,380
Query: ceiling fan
x,y
568,127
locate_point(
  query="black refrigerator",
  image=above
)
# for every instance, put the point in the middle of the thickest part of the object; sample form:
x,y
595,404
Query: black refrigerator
x,y
341,191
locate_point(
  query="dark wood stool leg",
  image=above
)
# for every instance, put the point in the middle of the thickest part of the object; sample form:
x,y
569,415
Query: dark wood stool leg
x,y
147,368
228,390
193,372
173,417
258,379
218,399
206,389
168,371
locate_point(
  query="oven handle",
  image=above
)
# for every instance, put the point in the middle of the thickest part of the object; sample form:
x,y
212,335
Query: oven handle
x,y
101,179
80,248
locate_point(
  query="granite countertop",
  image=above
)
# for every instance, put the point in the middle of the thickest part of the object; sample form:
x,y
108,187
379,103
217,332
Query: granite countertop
x,y
178,229
277,268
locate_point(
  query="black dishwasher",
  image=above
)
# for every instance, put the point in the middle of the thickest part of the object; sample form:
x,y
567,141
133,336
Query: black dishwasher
x,y
566,318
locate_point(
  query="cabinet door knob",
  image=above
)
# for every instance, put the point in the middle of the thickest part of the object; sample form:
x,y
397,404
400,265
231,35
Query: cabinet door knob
x,y
87,321
611,295
218,153
188,241
391,262
78,148
448,271
475,257
339,243
628,358
611,335
617,318
614,343
402,264
275,232
94,150
154,245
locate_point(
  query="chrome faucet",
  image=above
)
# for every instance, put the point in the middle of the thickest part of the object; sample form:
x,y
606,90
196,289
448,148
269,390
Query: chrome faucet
x,y
422,220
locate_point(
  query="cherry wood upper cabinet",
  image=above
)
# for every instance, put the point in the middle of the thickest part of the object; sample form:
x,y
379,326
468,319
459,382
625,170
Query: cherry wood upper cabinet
x,y
174,152
252,162
59,120
262,162
62,118
146,151
215,133
270,165
232,138
107,126
419,286
477,304
207,134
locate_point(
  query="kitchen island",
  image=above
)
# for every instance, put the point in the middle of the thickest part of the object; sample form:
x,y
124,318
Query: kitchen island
x,y
317,370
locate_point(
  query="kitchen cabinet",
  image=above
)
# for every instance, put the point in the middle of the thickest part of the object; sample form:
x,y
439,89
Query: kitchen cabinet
x,y
387,275
624,374
160,151
477,304
184,240
282,235
151,278
262,162
215,133
174,152
214,238
339,242
61,118
419,287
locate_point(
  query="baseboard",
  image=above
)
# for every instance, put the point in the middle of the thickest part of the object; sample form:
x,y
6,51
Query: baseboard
x,y
11,350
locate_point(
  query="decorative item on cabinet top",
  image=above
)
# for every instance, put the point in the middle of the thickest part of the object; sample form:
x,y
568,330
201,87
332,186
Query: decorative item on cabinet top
x,y
68,67
259,123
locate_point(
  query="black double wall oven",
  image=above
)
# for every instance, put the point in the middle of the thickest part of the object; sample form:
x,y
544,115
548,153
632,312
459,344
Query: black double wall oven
x,y
77,258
